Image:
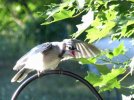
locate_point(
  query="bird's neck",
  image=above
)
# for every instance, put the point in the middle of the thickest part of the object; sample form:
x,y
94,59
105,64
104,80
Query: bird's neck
x,y
61,54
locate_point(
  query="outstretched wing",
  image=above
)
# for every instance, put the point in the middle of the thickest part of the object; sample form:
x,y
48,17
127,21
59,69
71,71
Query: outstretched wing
x,y
85,50
39,48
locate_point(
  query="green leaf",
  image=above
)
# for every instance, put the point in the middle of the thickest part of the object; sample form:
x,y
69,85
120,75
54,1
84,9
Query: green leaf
x,y
110,55
97,22
93,34
83,61
91,60
103,69
124,29
86,22
110,85
93,78
119,50
131,0
99,32
111,14
63,14
105,82
108,77
130,22
55,8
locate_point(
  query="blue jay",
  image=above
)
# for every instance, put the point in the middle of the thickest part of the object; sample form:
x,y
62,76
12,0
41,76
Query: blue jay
x,y
47,56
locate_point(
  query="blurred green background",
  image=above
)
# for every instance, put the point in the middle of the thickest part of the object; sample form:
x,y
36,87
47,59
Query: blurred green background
x,y
20,30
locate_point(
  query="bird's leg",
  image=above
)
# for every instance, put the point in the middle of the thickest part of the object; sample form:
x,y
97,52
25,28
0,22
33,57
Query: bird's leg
x,y
38,72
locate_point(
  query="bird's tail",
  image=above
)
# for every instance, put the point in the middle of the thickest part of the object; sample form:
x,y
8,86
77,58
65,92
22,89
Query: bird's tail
x,y
21,75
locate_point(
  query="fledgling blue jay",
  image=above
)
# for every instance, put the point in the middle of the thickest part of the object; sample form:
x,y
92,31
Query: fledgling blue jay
x,y
48,55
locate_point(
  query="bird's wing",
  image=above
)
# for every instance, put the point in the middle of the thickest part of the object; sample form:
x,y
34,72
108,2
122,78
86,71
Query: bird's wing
x,y
39,48
85,50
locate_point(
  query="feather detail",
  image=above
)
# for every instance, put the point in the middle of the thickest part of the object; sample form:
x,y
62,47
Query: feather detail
x,y
44,47
21,75
83,50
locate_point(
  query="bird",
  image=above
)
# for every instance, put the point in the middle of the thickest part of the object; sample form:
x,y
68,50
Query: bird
x,y
47,56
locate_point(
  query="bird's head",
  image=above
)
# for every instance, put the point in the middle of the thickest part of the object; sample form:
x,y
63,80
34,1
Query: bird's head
x,y
69,48
78,49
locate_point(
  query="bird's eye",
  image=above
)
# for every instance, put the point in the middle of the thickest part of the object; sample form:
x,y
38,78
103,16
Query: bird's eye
x,y
72,48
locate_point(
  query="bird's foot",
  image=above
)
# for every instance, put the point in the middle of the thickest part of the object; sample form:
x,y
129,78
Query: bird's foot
x,y
38,72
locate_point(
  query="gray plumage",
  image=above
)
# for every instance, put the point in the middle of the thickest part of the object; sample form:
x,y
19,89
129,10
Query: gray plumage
x,y
48,55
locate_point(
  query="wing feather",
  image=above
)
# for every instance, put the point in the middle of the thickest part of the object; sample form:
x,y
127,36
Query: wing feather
x,y
78,54
89,50
39,48
85,53
86,50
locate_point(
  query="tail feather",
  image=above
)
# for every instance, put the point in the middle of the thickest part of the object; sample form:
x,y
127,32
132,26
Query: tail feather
x,y
21,75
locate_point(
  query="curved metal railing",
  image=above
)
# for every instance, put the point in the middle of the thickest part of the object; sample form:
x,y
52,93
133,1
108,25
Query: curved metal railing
x,y
60,72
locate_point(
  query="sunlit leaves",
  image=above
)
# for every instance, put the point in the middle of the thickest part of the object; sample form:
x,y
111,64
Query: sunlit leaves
x,y
102,68
111,13
106,81
55,8
113,74
93,78
99,19
62,11
87,61
102,25
125,32
99,32
63,14
114,83
87,19
119,50
131,0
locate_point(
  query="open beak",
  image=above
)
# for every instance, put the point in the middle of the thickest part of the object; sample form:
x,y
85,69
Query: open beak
x,y
74,52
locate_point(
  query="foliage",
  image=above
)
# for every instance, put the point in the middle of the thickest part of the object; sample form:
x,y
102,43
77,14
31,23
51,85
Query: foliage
x,y
99,19
106,81
20,27
96,19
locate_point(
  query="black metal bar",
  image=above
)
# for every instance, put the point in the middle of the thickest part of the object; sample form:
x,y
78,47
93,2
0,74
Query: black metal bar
x,y
62,72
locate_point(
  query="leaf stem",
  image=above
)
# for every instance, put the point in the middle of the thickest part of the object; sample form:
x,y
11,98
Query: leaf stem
x,y
124,77
78,13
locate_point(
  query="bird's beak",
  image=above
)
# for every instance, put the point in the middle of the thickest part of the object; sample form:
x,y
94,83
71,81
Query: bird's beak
x,y
70,53
73,53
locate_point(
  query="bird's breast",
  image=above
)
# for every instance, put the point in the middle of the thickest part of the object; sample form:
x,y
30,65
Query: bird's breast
x,y
51,60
